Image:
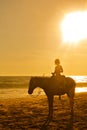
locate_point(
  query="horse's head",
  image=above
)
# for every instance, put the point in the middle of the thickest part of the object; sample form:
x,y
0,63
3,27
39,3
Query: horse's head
x,y
32,85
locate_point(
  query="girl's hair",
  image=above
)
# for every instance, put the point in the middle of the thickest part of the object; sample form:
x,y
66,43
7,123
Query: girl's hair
x,y
57,61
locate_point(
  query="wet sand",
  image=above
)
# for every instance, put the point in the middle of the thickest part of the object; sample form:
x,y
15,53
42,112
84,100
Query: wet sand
x,y
31,113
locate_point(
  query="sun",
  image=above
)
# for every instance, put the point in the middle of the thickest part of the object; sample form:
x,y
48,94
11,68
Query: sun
x,y
74,27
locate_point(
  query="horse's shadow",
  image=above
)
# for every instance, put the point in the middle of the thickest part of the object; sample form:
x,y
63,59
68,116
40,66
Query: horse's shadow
x,y
45,125
69,126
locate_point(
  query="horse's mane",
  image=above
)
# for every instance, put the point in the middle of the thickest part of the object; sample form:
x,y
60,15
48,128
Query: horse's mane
x,y
40,77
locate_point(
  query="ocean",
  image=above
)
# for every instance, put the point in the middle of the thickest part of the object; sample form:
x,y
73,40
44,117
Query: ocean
x,y
17,86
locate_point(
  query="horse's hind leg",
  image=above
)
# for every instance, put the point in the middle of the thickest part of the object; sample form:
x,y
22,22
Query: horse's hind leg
x,y
71,100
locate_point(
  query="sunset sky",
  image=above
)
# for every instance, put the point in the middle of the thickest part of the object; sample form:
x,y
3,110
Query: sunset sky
x,y
31,38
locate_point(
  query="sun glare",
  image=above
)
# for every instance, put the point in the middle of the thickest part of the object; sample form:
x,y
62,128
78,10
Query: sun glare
x,y
80,89
74,27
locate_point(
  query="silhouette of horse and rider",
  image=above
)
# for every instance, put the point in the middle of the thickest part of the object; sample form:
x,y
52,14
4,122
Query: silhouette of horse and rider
x,y
57,84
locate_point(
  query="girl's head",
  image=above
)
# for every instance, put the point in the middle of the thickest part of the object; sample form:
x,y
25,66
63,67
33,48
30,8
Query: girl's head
x,y
57,61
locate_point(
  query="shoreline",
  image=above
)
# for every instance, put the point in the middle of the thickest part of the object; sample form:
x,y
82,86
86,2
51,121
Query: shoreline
x,y
12,93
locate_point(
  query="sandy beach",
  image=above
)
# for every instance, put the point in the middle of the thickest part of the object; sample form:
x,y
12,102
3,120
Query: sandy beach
x,y
31,113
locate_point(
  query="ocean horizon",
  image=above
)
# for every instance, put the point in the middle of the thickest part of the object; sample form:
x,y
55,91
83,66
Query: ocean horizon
x,y
23,81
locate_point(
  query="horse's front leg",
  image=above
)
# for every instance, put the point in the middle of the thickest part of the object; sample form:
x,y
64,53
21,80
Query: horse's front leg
x,y
50,102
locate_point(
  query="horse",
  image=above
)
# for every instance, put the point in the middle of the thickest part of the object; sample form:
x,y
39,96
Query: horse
x,y
53,86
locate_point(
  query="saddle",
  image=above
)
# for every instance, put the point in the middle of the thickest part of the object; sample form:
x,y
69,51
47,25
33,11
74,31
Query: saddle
x,y
59,81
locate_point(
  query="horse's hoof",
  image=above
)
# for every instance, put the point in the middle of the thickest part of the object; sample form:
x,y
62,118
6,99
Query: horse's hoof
x,y
47,122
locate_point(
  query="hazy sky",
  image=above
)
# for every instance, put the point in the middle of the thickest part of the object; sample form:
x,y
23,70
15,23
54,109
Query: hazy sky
x,y
30,38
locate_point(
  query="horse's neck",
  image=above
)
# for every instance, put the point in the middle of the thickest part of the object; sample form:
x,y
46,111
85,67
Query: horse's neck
x,y
42,83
